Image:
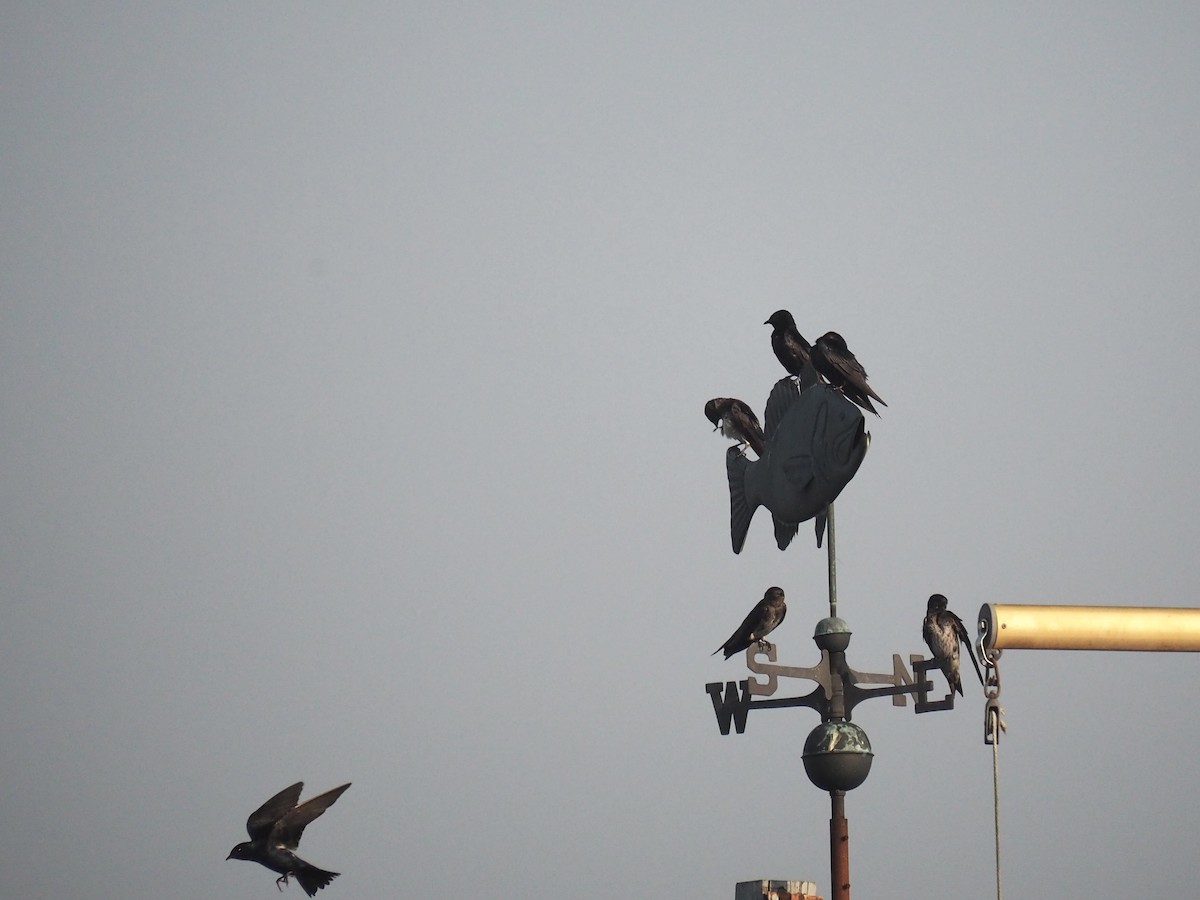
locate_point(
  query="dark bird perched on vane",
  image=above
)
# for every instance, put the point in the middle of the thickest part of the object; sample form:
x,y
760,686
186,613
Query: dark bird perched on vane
x,y
943,632
761,621
833,359
790,347
275,829
736,420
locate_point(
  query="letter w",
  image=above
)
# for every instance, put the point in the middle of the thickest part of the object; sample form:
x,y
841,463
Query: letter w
x,y
733,706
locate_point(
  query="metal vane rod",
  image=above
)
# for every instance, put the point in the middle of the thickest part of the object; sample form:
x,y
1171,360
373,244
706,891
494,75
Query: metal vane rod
x,y
839,830
831,550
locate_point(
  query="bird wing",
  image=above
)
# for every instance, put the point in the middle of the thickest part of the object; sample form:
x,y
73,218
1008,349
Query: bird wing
x,y
778,612
763,619
747,424
797,345
851,370
740,639
263,819
287,830
792,351
939,635
961,630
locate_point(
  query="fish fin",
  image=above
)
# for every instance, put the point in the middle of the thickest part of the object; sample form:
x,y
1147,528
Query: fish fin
x,y
809,376
783,397
740,510
784,532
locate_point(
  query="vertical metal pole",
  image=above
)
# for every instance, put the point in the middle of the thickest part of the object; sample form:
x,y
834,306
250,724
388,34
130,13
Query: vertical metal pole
x,y
839,846
839,828
831,551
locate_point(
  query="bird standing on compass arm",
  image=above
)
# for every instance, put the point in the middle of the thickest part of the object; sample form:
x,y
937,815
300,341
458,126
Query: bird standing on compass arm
x,y
943,632
762,620
275,829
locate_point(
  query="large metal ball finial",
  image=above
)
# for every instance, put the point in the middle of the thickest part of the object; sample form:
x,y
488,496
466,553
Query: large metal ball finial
x,y
837,756
833,634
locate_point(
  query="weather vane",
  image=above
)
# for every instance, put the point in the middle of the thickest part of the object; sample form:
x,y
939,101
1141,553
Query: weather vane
x,y
837,753
810,447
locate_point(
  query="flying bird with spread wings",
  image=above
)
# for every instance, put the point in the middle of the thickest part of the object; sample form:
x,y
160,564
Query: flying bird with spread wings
x,y
275,829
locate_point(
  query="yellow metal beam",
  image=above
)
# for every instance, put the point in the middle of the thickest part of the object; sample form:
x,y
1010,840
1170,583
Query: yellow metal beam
x,y
1004,626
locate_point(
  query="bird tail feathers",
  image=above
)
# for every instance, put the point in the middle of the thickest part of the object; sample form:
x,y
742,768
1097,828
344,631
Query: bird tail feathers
x,y
313,879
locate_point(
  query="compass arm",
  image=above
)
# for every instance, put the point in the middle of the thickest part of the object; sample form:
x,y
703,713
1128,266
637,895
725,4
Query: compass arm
x,y
856,695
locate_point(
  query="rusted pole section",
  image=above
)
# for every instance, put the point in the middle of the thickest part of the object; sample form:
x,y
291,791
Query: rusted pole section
x,y
839,846
1005,626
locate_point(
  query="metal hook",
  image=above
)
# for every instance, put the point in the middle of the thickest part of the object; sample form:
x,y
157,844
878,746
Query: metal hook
x,y
993,712
993,721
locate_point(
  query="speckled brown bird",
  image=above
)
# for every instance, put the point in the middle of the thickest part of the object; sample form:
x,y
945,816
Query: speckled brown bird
x,y
735,419
943,631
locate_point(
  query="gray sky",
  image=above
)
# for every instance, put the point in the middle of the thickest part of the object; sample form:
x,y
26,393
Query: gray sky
x,y
352,373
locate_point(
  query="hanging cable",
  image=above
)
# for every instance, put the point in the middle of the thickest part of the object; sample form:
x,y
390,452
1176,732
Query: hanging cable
x,y
993,724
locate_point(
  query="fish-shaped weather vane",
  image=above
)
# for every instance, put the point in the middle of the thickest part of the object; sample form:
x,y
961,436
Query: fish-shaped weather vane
x,y
815,442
